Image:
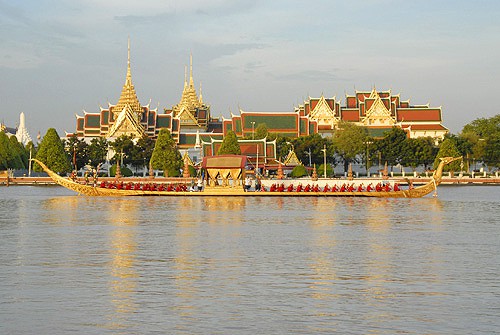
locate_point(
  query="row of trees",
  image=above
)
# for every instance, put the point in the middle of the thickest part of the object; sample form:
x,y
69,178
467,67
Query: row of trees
x,y
479,141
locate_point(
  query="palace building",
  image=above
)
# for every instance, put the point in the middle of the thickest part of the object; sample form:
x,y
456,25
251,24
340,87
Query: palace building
x,y
198,134
127,117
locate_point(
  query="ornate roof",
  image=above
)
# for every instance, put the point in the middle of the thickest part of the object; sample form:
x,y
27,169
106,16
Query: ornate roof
x,y
323,113
127,122
377,114
291,159
185,109
128,95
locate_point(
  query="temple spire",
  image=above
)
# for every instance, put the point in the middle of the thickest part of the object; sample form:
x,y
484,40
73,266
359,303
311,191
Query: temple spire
x,y
128,95
128,79
201,96
191,81
185,77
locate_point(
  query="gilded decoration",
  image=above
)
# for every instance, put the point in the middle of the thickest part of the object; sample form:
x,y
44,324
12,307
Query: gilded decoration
x,y
323,114
128,112
377,114
186,109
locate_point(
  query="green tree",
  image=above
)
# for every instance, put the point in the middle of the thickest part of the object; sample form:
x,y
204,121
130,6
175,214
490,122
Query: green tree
x,y
419,151
349,141
5,151
298,171
447,149
261,131
283,146
393,146
230,145
123,147
142,151
97,150
19,159
321,170
482,135
77,150
165,155
310,147
51,152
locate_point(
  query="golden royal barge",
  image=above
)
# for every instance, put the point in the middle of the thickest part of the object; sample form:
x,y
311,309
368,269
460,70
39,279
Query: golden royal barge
x,y
220,170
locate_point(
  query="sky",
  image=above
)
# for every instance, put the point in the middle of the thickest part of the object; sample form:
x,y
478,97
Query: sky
x,y
61,57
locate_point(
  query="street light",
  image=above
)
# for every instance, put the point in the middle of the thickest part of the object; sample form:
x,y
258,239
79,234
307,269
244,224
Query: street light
x,y
253,130
324,156
309,154
74,155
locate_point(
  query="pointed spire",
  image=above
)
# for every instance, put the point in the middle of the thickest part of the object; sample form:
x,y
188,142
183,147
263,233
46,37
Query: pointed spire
x,y
128,95
185,77
201,96
191,81
128,78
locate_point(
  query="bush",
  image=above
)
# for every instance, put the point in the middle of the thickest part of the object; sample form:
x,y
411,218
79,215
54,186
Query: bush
x,y
299,171
321,170
126,172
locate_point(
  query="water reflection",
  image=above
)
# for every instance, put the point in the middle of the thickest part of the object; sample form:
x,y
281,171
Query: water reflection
x,y
123,247
323,258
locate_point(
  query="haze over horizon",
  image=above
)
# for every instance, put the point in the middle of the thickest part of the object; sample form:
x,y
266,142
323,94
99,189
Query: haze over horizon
x,y
60,57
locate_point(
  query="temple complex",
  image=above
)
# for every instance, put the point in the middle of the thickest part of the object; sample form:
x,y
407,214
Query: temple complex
x,y
198,134
378,111
127,117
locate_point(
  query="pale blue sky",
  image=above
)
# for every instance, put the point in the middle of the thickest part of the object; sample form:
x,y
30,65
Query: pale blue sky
x,y
59,57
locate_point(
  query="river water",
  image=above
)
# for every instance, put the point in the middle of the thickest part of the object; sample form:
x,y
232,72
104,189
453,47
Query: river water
x,y
164,265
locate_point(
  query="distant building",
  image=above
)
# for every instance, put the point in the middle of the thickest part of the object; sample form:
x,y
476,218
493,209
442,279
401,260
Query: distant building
x,y
127,117
20,132
378,111
198,134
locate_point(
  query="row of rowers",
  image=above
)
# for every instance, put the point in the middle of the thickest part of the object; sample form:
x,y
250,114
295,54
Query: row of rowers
x,y
178,187
350,187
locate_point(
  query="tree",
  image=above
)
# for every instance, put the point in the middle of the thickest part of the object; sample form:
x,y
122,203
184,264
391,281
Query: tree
x,y
142,151
230,145
419,151
349,141
261,131
393,146
123,147
321,170
77,150
482,136
447,149
51,152
19,159
97,150
312,144
5,151
298,171
165,155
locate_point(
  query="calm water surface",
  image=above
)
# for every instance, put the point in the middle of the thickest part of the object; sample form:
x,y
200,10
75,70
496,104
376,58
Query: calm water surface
x,y
146,265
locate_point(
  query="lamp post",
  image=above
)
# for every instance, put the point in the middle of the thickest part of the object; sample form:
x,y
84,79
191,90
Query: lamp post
x,y
367,158
74,156
379,161
309,154
253,130
29,165
324,157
